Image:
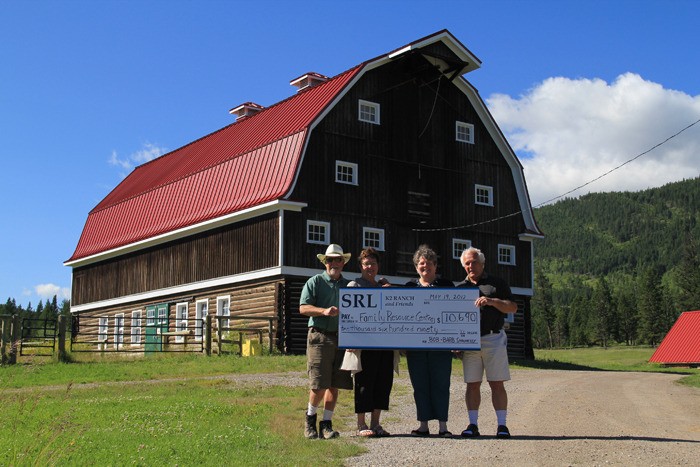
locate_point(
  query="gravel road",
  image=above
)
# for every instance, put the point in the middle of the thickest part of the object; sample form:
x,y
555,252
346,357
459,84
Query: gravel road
x,y
556,418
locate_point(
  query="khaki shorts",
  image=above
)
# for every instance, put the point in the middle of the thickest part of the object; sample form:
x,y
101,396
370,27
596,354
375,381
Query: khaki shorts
x,y
492,358
323,361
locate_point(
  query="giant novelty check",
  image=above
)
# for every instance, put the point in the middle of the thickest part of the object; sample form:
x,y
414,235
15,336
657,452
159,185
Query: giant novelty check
x,y
427,318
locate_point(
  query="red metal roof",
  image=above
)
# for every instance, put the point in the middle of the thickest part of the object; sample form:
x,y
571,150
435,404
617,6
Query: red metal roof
x,y
243,165
682,343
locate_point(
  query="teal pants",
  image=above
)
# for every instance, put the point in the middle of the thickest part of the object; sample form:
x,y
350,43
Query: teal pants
x,y
430,372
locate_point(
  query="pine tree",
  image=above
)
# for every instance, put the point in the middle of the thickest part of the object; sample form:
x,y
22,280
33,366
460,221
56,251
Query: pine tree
x,y
650,306
688,276
543,308
603,311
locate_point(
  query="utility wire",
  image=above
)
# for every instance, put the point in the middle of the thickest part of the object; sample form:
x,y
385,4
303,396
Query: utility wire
x,y
568,192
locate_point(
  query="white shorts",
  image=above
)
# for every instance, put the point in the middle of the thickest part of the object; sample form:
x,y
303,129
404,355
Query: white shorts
x,y
493,357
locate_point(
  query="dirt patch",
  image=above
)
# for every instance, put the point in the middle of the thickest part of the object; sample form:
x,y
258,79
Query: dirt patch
x,y
556,418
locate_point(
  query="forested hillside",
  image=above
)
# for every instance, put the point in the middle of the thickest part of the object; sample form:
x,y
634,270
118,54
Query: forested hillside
x,y
617,267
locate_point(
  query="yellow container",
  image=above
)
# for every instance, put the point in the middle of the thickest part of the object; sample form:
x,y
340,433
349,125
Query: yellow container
x,y
251,347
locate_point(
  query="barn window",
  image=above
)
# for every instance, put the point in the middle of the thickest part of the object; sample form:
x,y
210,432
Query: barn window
x,y
464,132
102,329
136,327
180,320
223,309
200,315
318,232
368,112
118,330
506,255
458,246
346,172
483,195
373,238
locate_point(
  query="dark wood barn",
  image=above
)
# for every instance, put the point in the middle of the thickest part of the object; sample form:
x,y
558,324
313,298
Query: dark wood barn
x,y
397,151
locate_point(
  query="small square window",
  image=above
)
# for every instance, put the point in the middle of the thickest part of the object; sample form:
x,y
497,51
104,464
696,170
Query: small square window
x,y
458,247
464,132
373,238
118,330
368,112
483,195
346,172
318,232
506,255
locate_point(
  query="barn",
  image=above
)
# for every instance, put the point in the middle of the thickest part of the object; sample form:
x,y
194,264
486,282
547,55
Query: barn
x,y
396,151
681,346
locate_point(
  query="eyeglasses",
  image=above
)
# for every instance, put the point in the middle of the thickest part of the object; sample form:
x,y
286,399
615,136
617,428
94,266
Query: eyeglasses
x,y
333,259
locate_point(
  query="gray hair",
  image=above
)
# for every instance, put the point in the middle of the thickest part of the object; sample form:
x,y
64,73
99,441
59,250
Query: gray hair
x,y
424,251
480,256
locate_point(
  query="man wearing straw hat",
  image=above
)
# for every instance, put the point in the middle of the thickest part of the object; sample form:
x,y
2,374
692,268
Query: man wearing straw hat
x,y
319,301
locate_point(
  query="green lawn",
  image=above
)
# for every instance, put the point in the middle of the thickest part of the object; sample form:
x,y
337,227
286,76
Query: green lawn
x,y
172,410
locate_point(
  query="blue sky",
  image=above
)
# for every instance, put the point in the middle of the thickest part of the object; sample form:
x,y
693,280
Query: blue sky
x,y
89,89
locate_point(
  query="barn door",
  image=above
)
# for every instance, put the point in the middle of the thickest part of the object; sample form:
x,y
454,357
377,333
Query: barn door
x,y
156,323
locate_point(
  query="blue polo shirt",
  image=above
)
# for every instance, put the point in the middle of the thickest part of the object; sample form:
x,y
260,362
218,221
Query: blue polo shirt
x,y
322,291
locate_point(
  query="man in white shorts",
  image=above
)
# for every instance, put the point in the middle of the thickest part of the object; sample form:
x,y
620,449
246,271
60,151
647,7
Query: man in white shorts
x,y
495,301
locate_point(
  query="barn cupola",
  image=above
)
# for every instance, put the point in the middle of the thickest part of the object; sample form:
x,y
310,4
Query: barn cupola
x,y
308,80
245,110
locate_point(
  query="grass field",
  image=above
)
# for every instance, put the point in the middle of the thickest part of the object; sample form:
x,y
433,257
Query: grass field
x,y
171,410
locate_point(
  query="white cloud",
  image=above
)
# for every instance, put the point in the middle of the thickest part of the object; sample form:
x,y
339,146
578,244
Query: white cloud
x,y
568,132
47,291
147,153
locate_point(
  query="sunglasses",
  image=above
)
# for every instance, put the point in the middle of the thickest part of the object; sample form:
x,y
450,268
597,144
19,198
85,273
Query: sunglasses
x,y
330,260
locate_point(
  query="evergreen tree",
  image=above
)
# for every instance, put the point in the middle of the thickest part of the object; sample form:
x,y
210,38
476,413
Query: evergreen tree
x,y
650,306
688,276
543,312
578,321
602,311
625,306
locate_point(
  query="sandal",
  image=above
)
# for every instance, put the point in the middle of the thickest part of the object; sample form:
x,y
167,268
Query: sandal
x,y
381,432
365,432
419,433
445,434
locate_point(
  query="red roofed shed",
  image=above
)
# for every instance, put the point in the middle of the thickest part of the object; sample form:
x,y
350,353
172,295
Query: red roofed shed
x,y
681,346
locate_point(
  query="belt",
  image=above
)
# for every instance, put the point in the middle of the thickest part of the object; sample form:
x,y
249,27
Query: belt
x,y
324,331
486,333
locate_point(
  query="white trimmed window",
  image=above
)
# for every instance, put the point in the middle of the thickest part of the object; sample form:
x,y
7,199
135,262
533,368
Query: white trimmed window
x,y
368,112
118,330
483,195
200,316
150,316
346,172
102,329
506,255
136,327
458,247
180,320
223,309
373,238
318,232
464,132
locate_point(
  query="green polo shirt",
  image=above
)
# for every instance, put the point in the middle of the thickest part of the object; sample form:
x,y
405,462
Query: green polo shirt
x,y
322,291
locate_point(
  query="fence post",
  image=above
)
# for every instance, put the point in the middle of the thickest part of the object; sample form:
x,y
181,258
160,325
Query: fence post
x,y
61,338
218,335
207,336
14,339
3,341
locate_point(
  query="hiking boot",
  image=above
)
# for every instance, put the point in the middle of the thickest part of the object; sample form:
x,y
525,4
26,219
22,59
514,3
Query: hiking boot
x,y
326,430
310,428
502,432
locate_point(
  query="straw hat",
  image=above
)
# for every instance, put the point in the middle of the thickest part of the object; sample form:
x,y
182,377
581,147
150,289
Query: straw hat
x,y
332,251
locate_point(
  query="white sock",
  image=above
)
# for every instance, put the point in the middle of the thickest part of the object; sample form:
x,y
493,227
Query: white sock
x,y
311,410
501,416
327,415
473,417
